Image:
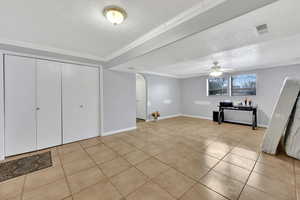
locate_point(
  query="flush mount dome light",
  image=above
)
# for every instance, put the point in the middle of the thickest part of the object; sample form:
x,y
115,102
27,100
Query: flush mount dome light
x,y
114,14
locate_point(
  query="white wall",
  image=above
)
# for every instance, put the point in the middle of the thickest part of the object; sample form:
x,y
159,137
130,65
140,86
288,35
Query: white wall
x,y
119,102
269,82
2,153
163,95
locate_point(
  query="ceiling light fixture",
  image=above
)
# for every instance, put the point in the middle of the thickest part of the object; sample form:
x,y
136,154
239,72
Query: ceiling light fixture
x,y
215,70
114,14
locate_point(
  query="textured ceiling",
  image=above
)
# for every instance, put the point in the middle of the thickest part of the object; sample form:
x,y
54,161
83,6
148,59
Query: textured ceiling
x,y
77,27
235,44
173,37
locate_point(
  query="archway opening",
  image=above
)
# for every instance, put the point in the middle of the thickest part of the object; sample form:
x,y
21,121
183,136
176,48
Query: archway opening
x,y
141,98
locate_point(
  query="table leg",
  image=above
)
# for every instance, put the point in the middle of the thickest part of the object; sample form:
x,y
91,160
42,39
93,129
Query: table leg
x,y
256,118
219,116
253,120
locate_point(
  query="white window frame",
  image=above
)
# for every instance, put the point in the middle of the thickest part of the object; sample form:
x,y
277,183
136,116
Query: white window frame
x,y
243,95
229,93
223,95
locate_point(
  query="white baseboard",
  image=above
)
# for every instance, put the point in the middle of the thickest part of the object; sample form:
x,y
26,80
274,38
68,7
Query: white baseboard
x,y
118,131
259,125
197,116
165,117
263,125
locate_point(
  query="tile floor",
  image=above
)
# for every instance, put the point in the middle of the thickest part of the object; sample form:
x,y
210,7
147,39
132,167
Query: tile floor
x,y
180,158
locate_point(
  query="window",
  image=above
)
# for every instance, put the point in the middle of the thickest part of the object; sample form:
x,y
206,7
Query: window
x,y
217,86
243,85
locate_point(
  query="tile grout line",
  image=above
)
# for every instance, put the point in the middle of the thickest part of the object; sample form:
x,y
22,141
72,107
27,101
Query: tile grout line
x,y
151,156
23,187
32,189
249,176
100,170
151,179
210,171
295,180
197,181
49,182
65,175
132,166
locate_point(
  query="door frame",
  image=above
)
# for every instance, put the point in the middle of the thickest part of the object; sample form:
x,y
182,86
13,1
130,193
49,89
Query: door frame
x,y
2,137
146,91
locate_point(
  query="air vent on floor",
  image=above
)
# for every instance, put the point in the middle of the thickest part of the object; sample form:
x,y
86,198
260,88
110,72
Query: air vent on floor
x,y
262,29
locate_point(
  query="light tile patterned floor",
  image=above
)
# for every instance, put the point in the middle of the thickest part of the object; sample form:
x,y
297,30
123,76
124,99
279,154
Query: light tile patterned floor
x,y
180,158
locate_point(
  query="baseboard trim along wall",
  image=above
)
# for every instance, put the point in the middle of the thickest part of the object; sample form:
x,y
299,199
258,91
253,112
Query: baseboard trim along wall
x,y
259,125
118,131
168,117
197,116
165,117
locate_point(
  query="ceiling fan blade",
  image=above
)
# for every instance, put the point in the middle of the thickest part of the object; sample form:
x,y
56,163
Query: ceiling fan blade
x,y
226,69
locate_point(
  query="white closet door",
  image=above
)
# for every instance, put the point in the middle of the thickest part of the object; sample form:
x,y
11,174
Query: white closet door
x,y
20,105
80,102
90,81
48,104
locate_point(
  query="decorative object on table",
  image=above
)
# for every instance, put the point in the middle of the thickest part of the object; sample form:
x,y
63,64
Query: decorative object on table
x,y
22,166
250,102
237,103
155,115
245,101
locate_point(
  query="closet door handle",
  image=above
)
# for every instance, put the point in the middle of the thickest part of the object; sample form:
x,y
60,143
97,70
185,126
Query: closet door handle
x,y
38,108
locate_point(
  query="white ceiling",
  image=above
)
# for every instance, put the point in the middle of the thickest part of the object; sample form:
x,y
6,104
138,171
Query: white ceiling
x,y
170,37
78,28
235,44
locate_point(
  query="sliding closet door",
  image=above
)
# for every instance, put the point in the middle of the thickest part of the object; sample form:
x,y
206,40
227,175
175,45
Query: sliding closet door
x,y
48,104
20,105
80,102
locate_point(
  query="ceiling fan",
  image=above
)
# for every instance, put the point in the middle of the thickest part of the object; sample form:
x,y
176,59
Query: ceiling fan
x,y
216,70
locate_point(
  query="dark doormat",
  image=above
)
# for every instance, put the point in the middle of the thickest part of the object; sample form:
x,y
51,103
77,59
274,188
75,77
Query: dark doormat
x,y
22,166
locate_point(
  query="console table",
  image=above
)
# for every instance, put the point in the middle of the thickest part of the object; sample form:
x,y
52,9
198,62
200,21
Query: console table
x,y
252,109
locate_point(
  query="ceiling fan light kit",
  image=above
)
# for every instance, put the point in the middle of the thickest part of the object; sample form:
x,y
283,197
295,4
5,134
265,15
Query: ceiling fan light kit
x,y
215,70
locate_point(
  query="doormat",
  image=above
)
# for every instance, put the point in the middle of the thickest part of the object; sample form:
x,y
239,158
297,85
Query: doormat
x,y
22,166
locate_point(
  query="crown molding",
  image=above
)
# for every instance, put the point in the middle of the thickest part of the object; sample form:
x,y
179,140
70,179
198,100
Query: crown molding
x,y
44,48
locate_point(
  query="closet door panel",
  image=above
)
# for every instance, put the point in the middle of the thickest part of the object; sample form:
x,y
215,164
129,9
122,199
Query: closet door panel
x,y
80,102
72,99
20,105
48,104
90,81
